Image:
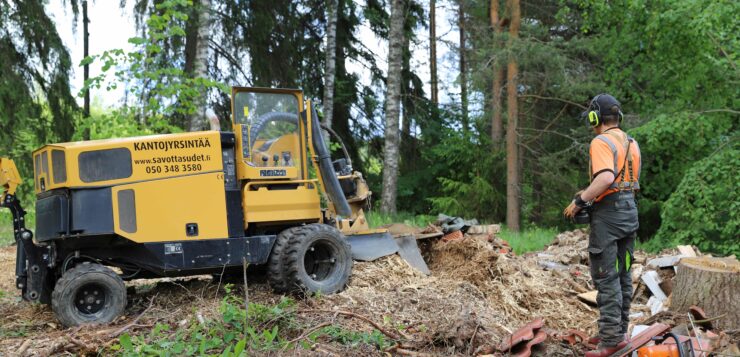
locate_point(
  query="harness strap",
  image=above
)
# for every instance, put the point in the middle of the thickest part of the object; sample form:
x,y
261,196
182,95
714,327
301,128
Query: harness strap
x,y
628,165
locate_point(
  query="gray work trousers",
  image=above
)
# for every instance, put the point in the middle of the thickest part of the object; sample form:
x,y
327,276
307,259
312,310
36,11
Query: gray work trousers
x,y
610,248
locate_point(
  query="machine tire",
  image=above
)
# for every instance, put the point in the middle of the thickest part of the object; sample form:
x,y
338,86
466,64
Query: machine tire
x,y
276,272
317,259
85,284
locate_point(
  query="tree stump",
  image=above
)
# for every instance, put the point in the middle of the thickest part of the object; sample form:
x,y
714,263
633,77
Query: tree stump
x,y
712,284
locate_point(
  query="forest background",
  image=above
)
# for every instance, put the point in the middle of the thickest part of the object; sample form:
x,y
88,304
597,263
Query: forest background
x,y
505,143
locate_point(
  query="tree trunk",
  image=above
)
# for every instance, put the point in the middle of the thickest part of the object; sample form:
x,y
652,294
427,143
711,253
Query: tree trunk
x,y
463,69
433,50
331,61
199,66
392,106
86,73
497,125
512,149
712,284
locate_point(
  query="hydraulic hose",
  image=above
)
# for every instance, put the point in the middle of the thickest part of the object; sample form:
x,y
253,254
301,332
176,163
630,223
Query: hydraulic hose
x,y
331,183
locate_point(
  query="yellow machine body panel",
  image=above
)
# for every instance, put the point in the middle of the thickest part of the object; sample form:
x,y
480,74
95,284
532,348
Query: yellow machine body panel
x,y
273,203
183,208
112,162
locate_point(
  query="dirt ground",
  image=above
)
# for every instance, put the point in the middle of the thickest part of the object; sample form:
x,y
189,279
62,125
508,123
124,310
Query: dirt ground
x,y
475,296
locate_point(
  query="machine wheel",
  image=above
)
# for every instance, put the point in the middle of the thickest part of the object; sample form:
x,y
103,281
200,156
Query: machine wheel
x,y
276,272
88,293
317,259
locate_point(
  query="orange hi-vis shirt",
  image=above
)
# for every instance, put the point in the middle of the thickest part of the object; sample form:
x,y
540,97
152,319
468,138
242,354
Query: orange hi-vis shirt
x,y
608,152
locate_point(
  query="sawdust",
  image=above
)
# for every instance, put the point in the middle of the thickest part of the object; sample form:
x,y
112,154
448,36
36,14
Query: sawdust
x,y
475,297
469,276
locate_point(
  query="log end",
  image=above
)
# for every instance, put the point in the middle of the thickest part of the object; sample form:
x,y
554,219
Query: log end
x,y
718,265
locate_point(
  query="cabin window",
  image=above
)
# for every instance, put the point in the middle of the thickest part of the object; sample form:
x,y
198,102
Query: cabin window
x,y
105,165
58,166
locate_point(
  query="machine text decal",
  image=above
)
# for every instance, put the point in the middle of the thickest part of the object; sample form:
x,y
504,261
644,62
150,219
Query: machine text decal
x,y
173,144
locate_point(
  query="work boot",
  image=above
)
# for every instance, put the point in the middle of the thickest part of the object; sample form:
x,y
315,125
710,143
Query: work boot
x,y
606,351
595,340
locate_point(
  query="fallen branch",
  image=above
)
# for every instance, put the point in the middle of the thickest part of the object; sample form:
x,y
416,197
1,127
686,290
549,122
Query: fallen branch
x,y
308,332
24,346
134,322
710,319
405,352
363,318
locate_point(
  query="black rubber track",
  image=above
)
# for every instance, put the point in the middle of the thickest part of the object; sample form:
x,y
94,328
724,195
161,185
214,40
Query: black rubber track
x,y
73,282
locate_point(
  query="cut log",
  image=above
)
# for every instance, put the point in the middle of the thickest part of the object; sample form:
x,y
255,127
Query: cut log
x,y
712,284
686,251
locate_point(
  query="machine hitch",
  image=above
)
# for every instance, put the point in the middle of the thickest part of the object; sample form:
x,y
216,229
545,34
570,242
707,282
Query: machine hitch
x,y
32,261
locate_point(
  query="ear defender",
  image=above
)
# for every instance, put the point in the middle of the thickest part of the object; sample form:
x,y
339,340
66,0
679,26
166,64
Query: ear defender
x,y
594,113
593,118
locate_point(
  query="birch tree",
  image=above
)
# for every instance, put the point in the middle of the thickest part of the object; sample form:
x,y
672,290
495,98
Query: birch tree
x,y
196,59
392,107
512,149
331,61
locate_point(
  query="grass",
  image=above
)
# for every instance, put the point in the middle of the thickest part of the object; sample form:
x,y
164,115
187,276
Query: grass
x,y
6,226
377,219
529,240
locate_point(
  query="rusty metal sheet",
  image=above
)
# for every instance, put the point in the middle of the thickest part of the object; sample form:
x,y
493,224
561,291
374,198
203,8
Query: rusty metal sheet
x,y
643,338
525,333
525,349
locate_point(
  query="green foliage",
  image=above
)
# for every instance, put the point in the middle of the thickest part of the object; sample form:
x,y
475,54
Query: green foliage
x,y
704,210
352,338
672,143
664,52
469,178
267,331
165,93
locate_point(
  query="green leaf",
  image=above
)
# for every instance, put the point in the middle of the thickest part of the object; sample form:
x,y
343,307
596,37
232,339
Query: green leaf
x,y
125,340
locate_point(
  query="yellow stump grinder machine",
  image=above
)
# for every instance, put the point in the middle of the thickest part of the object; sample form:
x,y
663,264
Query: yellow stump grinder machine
x,y
189,204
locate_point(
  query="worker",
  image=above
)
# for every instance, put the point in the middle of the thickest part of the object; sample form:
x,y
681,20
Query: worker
x,y
610,198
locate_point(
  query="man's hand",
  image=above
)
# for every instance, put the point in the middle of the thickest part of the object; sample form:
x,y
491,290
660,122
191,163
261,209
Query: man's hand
x,y
571,211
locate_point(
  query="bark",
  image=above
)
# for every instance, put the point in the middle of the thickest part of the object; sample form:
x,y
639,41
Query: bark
x,y
433,50
85,50
331,61
463,69
196,49
497,125
392,107
86,73
512,148
712,284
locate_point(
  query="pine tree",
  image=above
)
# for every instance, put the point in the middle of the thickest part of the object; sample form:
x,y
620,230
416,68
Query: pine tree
x,y
513,181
